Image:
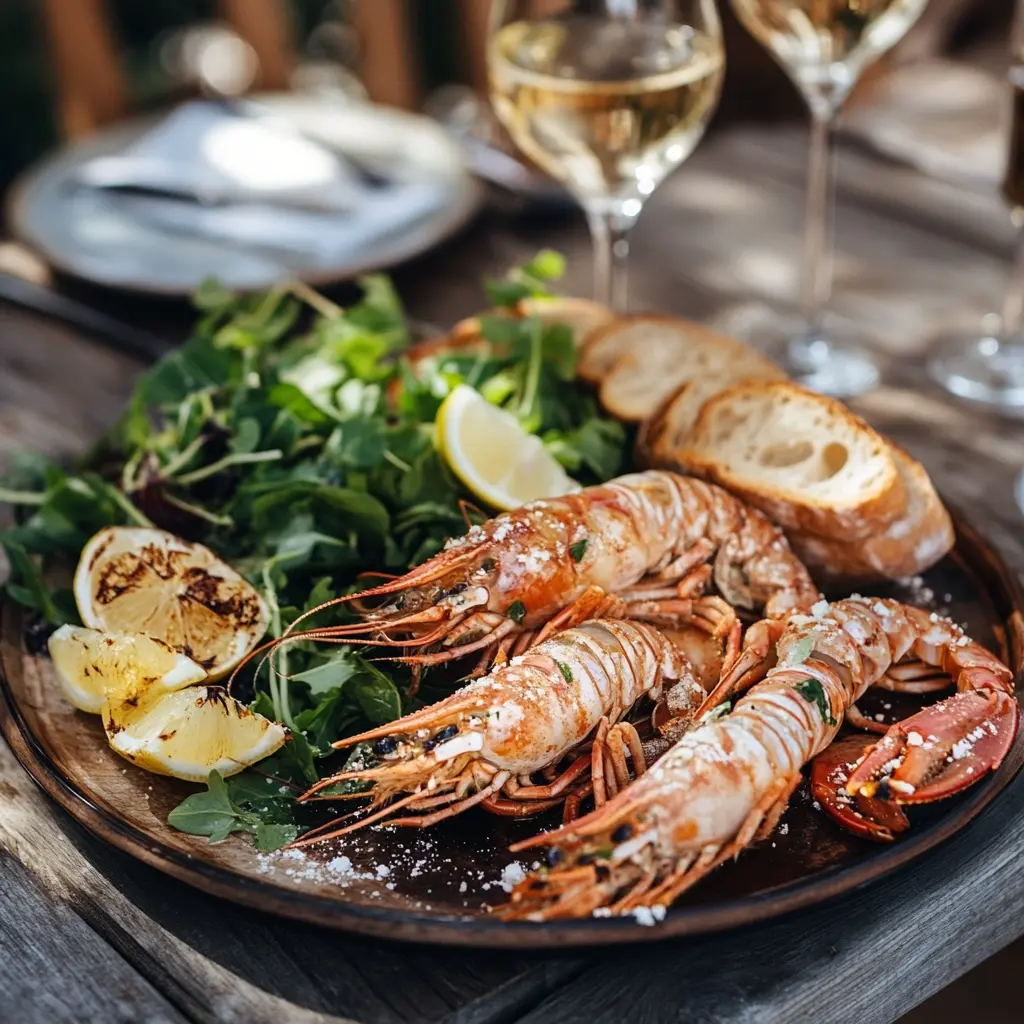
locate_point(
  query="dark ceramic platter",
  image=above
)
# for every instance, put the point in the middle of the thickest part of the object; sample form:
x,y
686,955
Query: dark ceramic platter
x,y
433,885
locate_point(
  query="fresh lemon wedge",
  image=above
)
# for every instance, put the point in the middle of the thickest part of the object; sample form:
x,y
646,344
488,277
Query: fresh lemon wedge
x,y
90,664
493,456
190,733
138,580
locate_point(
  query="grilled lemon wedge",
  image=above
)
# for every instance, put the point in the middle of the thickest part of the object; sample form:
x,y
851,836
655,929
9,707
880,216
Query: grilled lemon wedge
x,y
190,733
89,663
138,580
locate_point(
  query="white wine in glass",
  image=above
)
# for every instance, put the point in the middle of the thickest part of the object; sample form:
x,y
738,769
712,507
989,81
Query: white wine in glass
x,y
608,97
824,46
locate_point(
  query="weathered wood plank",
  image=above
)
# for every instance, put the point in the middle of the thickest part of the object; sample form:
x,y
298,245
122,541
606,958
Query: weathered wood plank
x,y
54,969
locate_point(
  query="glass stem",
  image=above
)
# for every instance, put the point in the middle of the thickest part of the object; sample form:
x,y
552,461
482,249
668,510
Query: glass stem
x,y
609,230
1013,304
816,274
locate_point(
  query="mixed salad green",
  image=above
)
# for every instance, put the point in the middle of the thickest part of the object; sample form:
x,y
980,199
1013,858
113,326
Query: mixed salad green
x,y
296,440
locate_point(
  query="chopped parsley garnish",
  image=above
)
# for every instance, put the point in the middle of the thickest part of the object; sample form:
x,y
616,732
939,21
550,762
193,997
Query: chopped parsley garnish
x,y
565,670
814,693
578,550
517,612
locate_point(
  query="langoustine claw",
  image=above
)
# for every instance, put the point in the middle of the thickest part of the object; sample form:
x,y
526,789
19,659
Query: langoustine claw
x,y
936,752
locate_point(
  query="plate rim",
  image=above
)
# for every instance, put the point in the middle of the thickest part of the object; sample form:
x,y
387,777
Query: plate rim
x,y
471,199
1001,584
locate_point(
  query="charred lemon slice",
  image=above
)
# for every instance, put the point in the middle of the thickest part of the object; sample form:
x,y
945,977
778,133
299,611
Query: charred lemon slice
x,y
137,580
90,664
190,733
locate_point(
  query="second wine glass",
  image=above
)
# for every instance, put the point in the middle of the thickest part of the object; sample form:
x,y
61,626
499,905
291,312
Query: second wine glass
x,y
824,46
608,97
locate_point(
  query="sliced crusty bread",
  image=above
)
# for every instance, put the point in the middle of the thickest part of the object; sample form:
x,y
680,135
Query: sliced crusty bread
x,y
582,316
906,547
669,427
655,366
801,457
644,332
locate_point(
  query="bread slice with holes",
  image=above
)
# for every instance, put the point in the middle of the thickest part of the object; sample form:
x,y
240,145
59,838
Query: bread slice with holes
x,y
640,360
909,545
669,427
802,458
607,345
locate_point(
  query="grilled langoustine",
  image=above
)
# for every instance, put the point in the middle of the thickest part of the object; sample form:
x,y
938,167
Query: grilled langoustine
x,y
726,783
643,546
485,743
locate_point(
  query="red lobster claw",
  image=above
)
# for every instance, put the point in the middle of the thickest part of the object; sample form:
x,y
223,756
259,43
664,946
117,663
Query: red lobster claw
x,y
940,750
867,817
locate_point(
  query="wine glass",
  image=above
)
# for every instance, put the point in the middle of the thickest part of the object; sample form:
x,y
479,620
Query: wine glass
x,y
608,97
990,369
824,46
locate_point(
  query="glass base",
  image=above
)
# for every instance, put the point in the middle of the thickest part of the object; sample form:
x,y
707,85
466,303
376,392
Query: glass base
x,y
984,370
839,369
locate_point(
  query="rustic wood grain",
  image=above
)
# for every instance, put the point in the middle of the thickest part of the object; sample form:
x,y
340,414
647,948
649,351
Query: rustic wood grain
x,y
84,979
719,242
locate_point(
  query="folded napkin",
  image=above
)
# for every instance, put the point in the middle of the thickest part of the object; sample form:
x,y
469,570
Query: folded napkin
x,y
257,183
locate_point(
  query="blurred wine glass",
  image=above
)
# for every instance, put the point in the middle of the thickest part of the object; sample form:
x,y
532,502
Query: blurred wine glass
x,y
608,97
824,47
990,369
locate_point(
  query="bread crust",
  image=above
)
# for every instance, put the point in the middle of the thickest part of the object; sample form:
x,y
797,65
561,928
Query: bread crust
x,y
871,513
600,352
660,435
906,547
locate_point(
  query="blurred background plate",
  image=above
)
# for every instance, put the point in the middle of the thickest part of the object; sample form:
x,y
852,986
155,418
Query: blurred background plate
x,y
118,243
944,118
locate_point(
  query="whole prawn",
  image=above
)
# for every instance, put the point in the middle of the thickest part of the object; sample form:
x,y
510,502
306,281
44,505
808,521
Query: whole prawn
x,y
643,546
482,744
726,783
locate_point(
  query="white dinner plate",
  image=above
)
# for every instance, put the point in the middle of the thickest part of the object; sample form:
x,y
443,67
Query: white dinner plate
x,y
106,241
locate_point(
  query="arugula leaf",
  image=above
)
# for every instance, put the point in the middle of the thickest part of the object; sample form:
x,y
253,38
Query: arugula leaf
x,y
507,293
216,813
26,584
375,693
211,813
269,837
336,670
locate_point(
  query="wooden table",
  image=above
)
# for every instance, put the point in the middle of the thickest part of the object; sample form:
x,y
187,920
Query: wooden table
x,y
87,934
